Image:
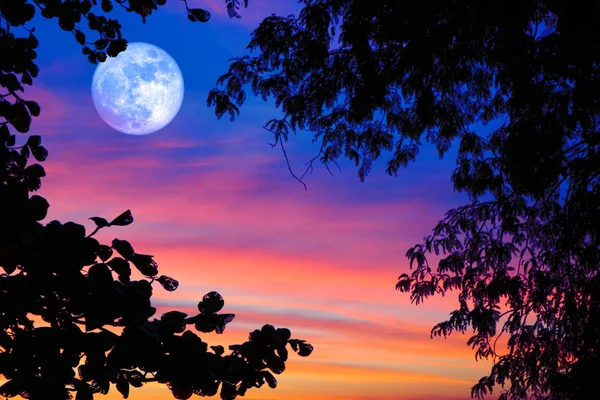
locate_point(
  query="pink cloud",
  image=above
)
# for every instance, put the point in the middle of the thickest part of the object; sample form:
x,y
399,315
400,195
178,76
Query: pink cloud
x,y
53,110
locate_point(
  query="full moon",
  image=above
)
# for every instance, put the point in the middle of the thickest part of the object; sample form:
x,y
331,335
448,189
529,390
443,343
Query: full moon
x,y
138,92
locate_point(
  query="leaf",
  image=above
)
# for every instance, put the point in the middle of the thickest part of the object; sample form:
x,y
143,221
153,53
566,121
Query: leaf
x,y
211,303
305,349
219,350
199,14
100,222
26,78
271,380
101,385
123,247
268,331
99,274
204,323
20,117
34,109
73,230
168,283
11,83
123,387
107,7
145,264
213,322
38,207
301,347
79,36
120,266
33,42
101,44
284,334
104,252
174,321
222,321
135,378
40,153
34,171
116,46
228,391
275,364
34,141
126,218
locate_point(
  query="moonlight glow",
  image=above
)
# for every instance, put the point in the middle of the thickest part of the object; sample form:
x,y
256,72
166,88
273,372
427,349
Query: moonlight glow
x,y
138,92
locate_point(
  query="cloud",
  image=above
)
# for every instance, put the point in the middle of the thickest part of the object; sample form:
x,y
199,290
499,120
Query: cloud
x,y
53,110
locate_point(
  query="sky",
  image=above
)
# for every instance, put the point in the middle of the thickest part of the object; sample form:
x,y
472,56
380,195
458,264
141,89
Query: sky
x,y
217,207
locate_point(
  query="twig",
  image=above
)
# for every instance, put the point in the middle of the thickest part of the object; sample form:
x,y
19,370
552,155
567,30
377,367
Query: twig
x,y
290,167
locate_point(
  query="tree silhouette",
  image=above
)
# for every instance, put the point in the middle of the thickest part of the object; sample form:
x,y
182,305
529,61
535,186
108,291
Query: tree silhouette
x,y
380,79
72,317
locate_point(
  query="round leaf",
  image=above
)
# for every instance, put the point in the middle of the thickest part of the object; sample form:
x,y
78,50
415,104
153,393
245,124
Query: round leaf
x,y
211,303
168,283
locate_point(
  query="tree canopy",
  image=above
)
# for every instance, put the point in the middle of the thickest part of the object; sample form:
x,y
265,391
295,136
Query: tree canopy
x,y
516,86
76,315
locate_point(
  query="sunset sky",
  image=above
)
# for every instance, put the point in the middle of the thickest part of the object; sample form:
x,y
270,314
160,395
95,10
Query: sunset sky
x,y
217,207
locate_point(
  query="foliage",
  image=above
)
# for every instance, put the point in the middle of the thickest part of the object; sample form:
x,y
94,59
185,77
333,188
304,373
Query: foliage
x,y
72,318
516,85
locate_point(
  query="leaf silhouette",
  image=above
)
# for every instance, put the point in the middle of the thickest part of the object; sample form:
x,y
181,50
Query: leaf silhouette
x,y
301,347
168,283
124,248
34,141
271,380
40,153
146,265
199,15
124,219
100,222
104,252
123,387
120,266
211,303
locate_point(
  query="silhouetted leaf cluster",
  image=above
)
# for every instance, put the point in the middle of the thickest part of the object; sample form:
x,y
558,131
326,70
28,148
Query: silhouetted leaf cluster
x,y
381,79
74,320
